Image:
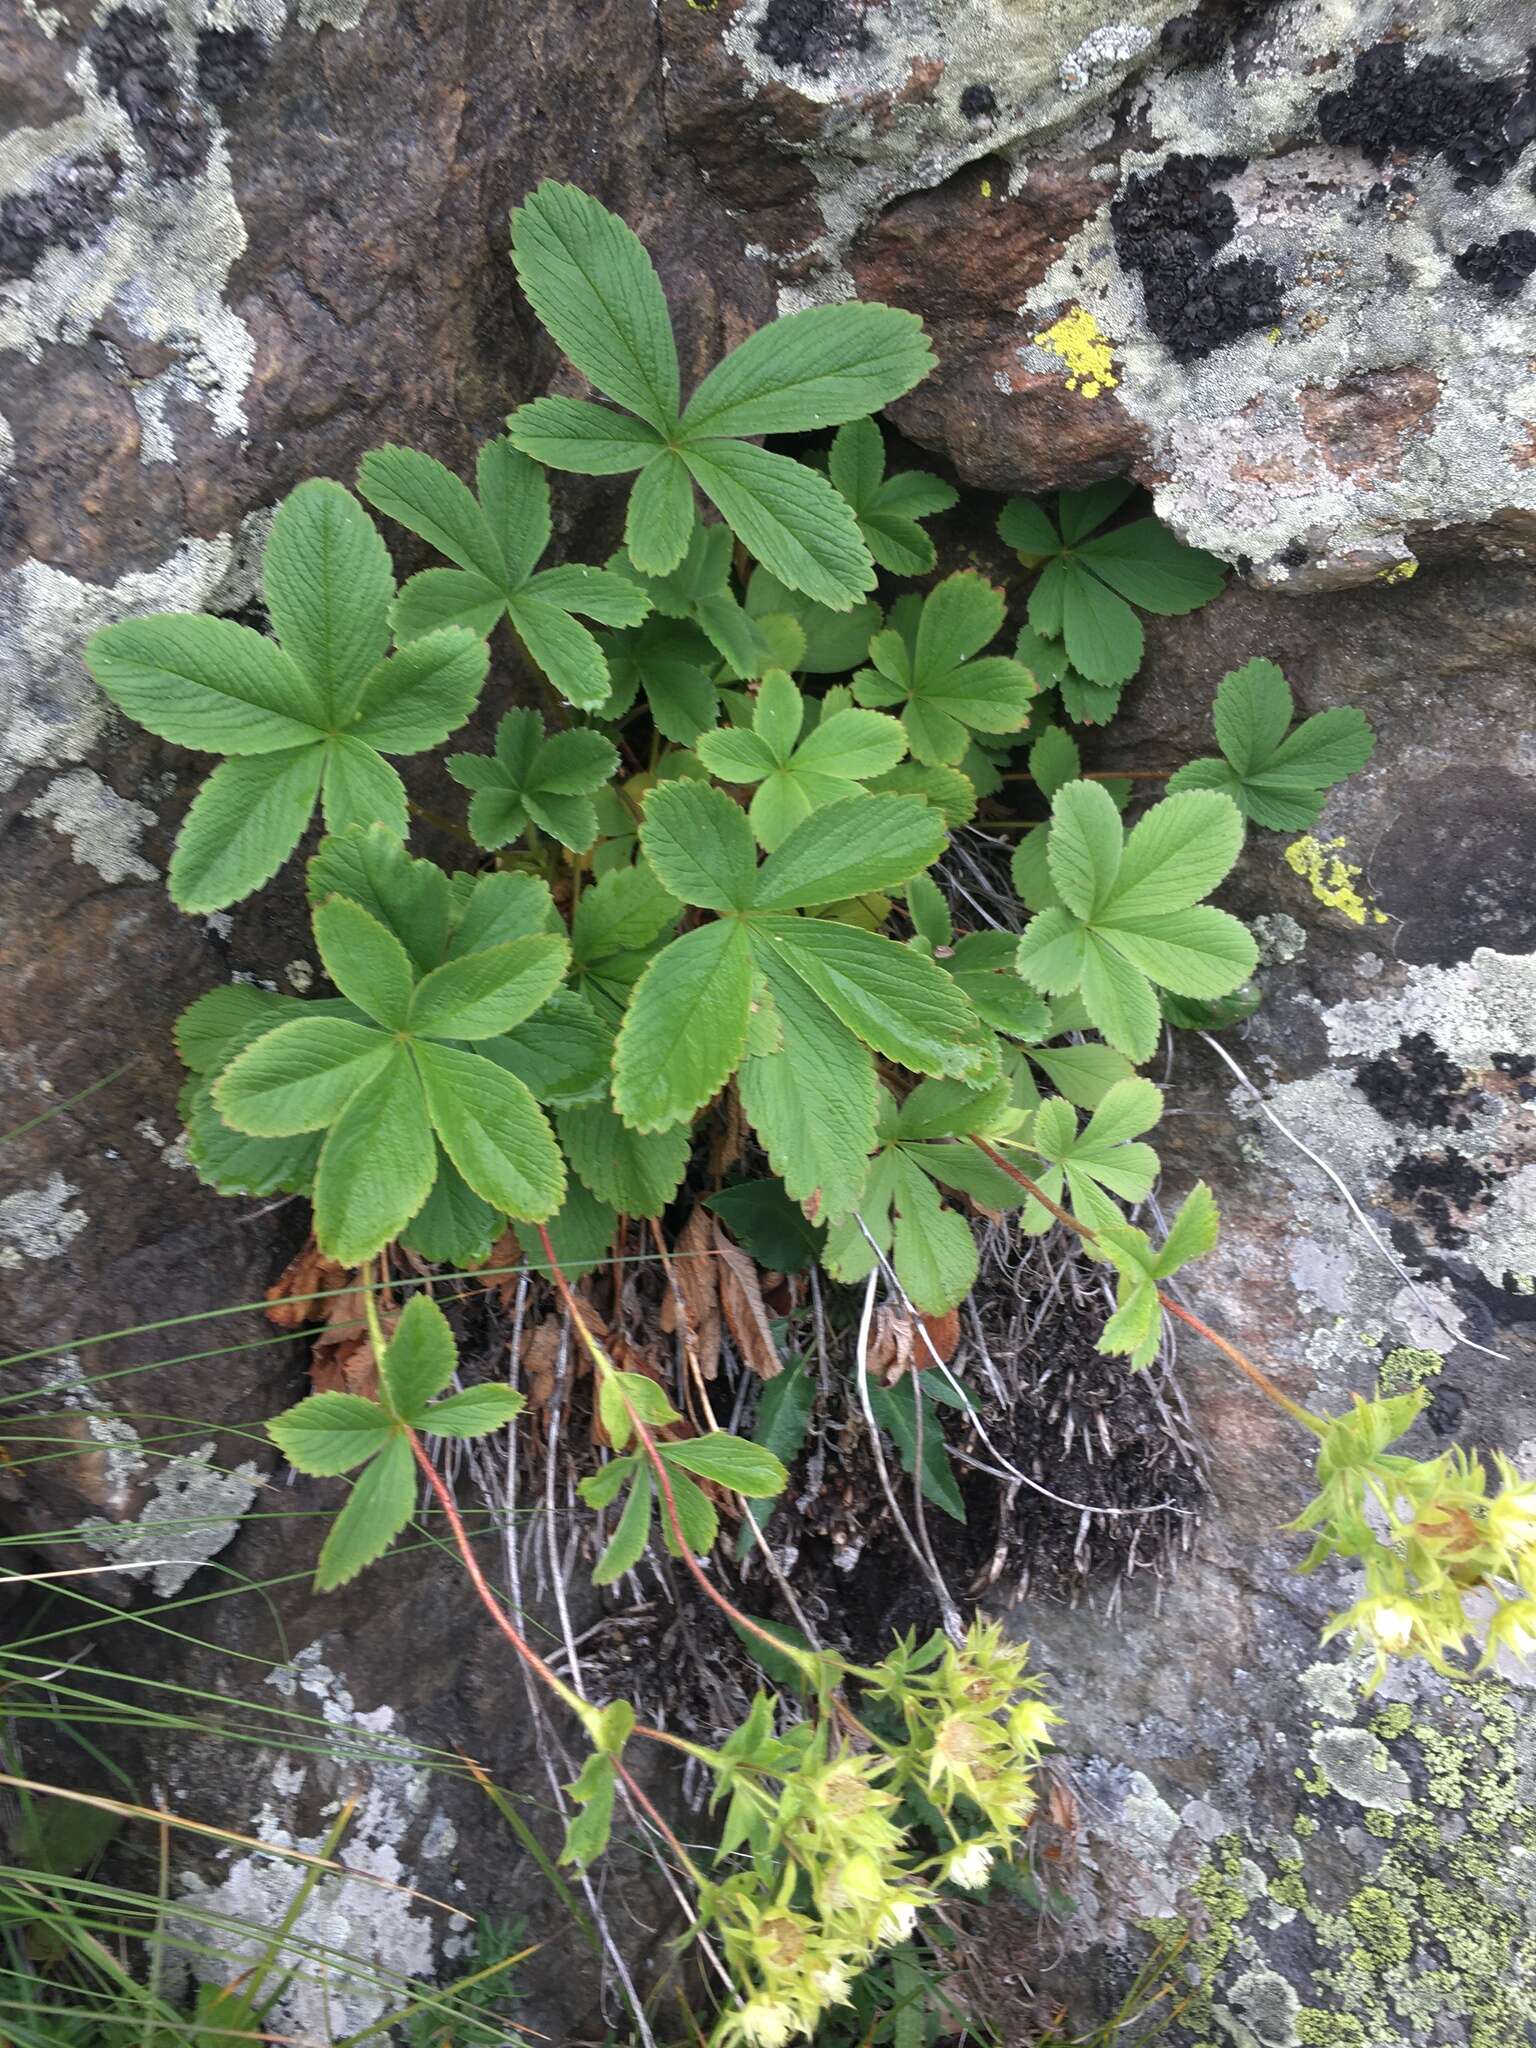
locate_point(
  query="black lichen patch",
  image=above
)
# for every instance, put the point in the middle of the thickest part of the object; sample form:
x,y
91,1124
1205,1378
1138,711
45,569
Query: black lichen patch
x,y
230,61
1169,225
133,62
978,103
66,212
812,34
1442,1188
1501,267
1201,36
1517,1068
1436,107
1416,1084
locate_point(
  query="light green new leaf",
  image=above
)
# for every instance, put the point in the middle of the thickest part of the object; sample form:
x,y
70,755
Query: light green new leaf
x,y
546,780
1274,780
419,1360
1084,1169
795,775
497,540
887,508
729,1461
945,694
315,713
1134,1328
1081,594
834,641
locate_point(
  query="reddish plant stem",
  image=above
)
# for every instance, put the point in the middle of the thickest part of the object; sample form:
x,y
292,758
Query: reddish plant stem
x,y
1260,1379
531,1657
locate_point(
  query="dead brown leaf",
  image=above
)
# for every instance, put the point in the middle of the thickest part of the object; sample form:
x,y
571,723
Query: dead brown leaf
x,y
693,1298
741,1297
342,1360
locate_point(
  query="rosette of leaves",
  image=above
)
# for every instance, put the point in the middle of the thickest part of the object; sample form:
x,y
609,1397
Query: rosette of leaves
x,y
887,508
923,1146
1276,777
536,778
394,1087
798,1003
588,277
1131,919
1089,1169
496,541
1090,581
926,661
725,1460
329,1434
1140,1270
796,771
308,715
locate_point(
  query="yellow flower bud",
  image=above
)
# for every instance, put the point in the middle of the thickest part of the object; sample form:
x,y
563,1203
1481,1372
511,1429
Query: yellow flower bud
x,y
766,2023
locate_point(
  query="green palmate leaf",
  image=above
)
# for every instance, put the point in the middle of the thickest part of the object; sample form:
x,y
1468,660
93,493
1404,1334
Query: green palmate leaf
x,y
377,1509
887,508
314,714
685,1030
944,693
698,593
1128,919
767,1224
796,775
626,1546
1090,581
670,660
591,282
636,1173
1133,1330
699,846
331,1433
535,779
1274,780
496,540
1089,1168
475,1412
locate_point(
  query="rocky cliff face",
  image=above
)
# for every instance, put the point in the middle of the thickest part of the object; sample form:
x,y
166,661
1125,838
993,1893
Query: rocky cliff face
x,y
1272,260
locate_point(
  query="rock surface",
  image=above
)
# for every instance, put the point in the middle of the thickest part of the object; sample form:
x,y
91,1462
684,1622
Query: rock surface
x,y
241,244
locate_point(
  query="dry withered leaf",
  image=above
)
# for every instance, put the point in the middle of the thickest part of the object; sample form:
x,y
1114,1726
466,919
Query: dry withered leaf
x,y
741,1297
693,1298
900,1342
342,1360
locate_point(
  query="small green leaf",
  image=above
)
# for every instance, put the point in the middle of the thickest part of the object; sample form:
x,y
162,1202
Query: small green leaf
x,y
634,1172
1277,781
850,848
330,1433
378,1508
244,822
812,1101
685,1030
699,845
482,994
408,897
419,1359
207,683
626,1546
475,1412
367,963
492,1130
729,1461
790,518
945,693
587,1831
593,440
812,369
328,585
376,1166
300,1076
900,1004
768,1225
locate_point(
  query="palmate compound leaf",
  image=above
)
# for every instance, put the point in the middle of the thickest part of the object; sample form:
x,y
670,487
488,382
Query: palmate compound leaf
x,y
387,1092
332,1433
796,774
1092,1169
594,287
496,541
944,692
698,594
828,992
546,780
1089,581
887,508
309,715
1276,779
1134,1328
1129,914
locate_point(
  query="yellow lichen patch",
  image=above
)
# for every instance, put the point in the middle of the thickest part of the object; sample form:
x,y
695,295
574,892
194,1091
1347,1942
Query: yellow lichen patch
x,y
1398,572
1088,353
1331,879
986,188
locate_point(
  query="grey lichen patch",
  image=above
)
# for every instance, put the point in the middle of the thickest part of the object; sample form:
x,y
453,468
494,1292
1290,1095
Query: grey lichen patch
x,y
102,827
337,14
1472,1010
1358,1767
366,1943
192,1512
1262,2011
38,1223
51,712
1279,937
